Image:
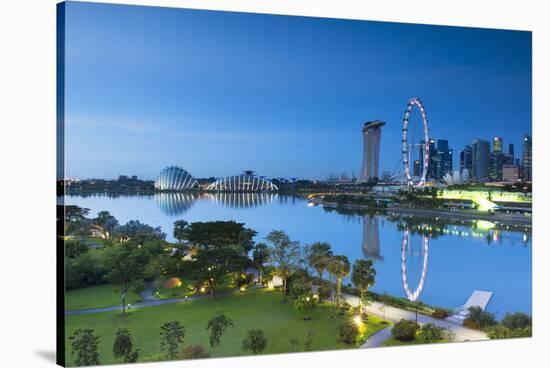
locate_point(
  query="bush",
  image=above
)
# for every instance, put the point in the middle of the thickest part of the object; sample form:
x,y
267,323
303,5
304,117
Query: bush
x,y
478,317
516,320
498,332
254,341
521,332
195,352
405,330
349,332
440,314
430,333
324,292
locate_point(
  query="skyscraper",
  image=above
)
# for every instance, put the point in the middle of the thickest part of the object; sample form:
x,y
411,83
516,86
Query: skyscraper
x,y
497,160
372,134
432,162
480,160
466,159
443,160
527,164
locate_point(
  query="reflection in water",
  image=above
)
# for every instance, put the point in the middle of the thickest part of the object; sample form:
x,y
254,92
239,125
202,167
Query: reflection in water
x,y
371,237
242,199
405,245
174,204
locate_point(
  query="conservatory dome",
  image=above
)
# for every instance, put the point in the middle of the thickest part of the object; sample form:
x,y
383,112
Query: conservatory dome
x,y
245,182
175,178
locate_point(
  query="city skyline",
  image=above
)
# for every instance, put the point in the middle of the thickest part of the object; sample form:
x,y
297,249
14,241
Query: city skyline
x,y
284,96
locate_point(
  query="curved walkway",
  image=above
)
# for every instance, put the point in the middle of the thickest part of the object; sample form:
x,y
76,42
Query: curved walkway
x,y
377,339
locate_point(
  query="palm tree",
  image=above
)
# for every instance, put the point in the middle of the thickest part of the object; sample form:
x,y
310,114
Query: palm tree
x,y
181,228
362,276
319,257
338,267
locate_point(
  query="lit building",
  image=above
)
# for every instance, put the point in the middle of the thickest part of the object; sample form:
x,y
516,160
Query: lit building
x,y
466,159
527,164
510,173
480,160
372,134
245,182
432,162
443,159
497,160
175,178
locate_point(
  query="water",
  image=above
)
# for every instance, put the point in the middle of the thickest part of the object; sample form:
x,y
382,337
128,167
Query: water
x,y
459,261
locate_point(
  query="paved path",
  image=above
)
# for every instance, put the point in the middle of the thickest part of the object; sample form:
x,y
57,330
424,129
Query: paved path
x,y
394,314
377,339
152,302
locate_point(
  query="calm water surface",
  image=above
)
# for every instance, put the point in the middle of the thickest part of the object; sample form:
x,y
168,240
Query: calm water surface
x,y
457,263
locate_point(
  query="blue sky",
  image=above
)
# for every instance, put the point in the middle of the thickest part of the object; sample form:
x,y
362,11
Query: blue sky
x,y
220,92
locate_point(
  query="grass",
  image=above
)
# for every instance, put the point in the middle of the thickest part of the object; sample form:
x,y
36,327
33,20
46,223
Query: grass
x,y
257,308
99,296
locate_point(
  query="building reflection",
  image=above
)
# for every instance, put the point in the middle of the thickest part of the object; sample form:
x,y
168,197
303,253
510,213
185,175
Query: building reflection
x,y
175,204
371,237
242,199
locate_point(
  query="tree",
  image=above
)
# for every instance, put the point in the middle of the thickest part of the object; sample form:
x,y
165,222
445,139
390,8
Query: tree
x,y
215,234
362,276
209,266
260,256
126,264
171,336
283,253
478,318
195,352
305,303
338,267
217,326
405,330
139,232
181,233
319,257
254,341
75,248
246,239
516,320
105,223
123,346
84,345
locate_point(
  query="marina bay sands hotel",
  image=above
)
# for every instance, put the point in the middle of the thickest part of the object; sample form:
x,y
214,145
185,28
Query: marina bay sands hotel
x,y
372,133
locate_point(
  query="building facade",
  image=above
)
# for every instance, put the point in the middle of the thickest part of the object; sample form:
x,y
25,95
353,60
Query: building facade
x,y
510,173
372,135
480,160
527,162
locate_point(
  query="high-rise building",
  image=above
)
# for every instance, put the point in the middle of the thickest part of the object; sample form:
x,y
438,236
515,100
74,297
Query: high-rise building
x,y
527,164
416,168
511,150
480,160
443,159
466,159
497,160
510,173
372,134
432,162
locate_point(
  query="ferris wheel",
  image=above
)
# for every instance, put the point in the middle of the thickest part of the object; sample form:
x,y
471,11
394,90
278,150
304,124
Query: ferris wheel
x,y
415,101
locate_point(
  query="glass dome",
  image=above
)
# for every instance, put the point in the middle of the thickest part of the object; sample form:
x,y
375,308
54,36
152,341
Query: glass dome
x,y
175,178
246,182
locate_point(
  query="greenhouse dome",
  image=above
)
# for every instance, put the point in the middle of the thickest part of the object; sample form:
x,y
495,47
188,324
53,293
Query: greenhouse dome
x,y
245,182
175,178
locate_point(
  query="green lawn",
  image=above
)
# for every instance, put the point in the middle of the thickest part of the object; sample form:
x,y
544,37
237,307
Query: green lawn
x,y
257,308
99,296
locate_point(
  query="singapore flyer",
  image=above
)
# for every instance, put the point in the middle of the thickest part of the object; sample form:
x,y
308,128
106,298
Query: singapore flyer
x,y
415,101
413,295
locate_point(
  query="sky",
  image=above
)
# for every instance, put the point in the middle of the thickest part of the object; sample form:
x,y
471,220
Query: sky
x,y
221,92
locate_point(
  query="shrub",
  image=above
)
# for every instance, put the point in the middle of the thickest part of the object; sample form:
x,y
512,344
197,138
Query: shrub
x,y
349,332
521,332
498,332
470,324
195,352
480,318
516,320
324,292
254,341
440,314
405,330
430,333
